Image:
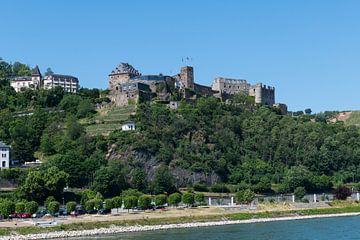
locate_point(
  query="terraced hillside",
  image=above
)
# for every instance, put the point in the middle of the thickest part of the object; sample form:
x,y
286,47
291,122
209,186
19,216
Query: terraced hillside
x,y
108,119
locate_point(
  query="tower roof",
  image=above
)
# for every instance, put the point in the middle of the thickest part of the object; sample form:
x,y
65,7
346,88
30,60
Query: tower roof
x,y
125,68
36,71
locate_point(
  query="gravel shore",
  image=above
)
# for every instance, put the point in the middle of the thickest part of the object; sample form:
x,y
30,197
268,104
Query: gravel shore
x,y
122,229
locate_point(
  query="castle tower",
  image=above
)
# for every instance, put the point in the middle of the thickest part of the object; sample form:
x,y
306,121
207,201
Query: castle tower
x,y
36,77
121,74
187,77
263,94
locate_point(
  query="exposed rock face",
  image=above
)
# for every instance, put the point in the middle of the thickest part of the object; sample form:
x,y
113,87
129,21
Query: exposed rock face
x,y
148,162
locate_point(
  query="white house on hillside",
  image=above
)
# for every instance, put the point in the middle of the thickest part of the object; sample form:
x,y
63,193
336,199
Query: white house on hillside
x,y
128,126
4,155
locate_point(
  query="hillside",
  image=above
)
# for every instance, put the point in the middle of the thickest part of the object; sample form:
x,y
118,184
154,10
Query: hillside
x,y
348,117
107,120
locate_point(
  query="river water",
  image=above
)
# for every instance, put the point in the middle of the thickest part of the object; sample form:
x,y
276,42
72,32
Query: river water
x,y
315,229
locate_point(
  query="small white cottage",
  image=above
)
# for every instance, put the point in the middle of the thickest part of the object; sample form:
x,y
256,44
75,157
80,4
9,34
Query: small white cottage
x,y
4,155
128,126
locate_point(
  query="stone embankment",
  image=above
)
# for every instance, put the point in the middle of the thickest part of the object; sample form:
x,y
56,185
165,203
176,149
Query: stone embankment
x,y
127,229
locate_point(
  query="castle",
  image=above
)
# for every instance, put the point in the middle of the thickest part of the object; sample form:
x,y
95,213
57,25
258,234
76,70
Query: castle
x,y
127,85
37,81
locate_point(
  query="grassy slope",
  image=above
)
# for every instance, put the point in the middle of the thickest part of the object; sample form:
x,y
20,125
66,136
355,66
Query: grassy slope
x,y
354,119
338,208
108,120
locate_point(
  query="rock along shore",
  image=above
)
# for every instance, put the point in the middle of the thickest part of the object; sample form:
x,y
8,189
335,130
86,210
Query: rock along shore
x,y
138,228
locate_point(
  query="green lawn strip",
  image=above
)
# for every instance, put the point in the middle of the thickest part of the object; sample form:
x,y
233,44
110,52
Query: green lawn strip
x,y
159,221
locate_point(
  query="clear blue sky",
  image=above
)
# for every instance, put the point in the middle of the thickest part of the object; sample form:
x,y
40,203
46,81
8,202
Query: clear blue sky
x,y
309,50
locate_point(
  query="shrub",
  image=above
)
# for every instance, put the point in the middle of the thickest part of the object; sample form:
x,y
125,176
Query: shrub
x,y
200,187
199,198
299,193
31,207
89,205
20,207
160,200
6,207
117,202
342,192
53,207
144,202
130,202
49,200
174,199
219,188
271,200
70,206
109,204
245,196
188,198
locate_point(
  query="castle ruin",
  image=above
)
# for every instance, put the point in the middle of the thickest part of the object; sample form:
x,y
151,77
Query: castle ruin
x,y
127,85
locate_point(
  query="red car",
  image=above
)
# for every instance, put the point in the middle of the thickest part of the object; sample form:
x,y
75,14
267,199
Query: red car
x,y
25,215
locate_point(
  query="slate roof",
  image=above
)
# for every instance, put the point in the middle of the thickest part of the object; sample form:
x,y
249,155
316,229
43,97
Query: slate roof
x,y
36,71
3,145
125,68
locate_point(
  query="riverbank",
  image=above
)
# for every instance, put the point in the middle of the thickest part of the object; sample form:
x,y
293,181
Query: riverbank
x,y
123,226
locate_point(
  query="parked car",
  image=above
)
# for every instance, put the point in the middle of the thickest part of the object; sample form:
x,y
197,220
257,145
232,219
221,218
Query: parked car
x,y
39,214
92,211
25,215
80,211
14,215
104,211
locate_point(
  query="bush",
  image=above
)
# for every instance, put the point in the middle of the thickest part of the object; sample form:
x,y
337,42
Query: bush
x,y
130,202
90,205
144,202
160,200
174,199
31,207
53,207
70,206
200,187
245,196
341,193
200,198
219,188
299,193
188,198
271,200
131,192
49,200
20,207
6,207
109,204
117,202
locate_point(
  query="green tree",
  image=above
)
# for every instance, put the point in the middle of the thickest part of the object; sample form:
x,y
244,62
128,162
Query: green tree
x,y
117,201
245,196
20,207
31,207
109,204
160,199
49,200
144,202
53,207
299,193
163,182
200,198
175,199
109,181
130,202
6,207
70,206
188,198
